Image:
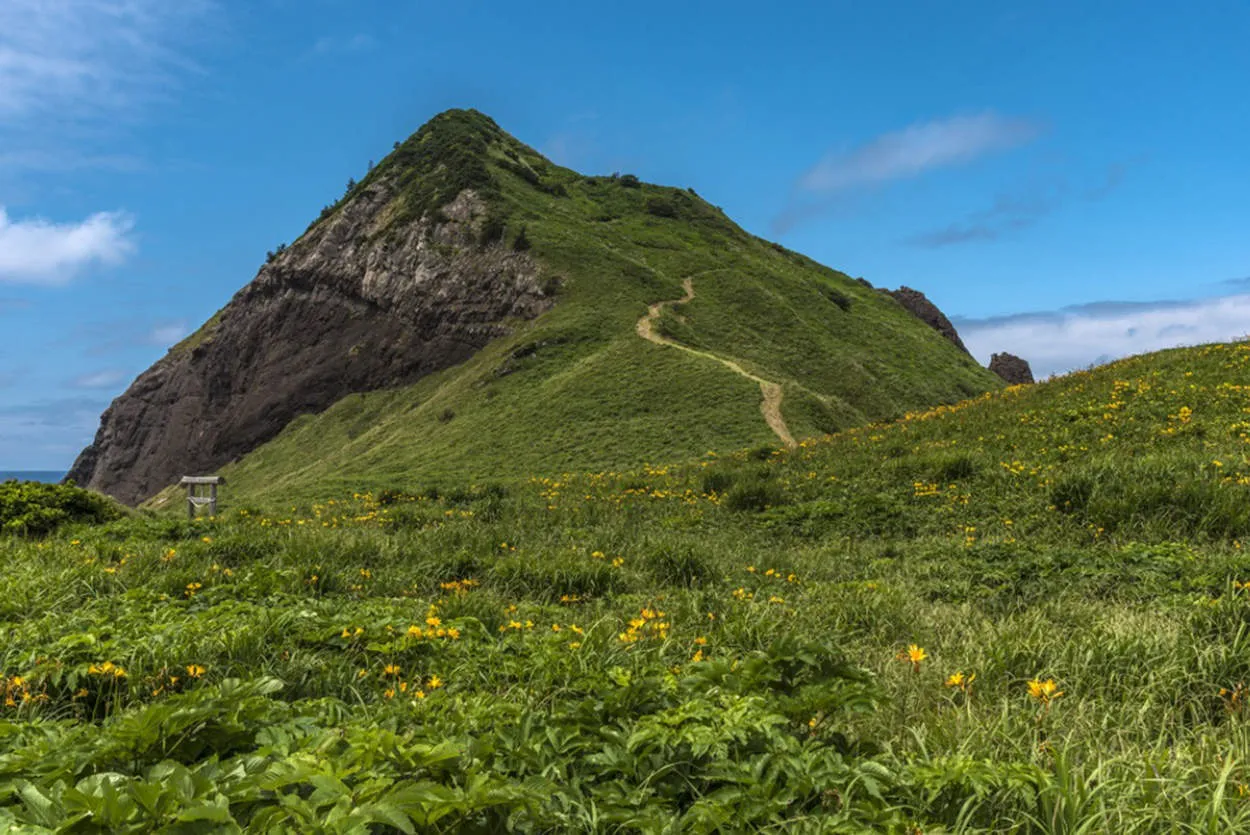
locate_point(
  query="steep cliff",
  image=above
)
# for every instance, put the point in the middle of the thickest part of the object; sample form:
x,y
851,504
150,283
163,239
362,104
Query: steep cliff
x,y
357,304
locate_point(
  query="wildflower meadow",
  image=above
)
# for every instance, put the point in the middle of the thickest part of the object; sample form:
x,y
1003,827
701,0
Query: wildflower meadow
x,y
1025,613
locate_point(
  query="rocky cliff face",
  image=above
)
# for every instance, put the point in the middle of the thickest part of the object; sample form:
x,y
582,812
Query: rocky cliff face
x,y
1011,368
359,303
918,304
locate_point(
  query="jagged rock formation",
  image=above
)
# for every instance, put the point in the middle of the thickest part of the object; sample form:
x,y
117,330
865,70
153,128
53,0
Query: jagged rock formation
x,y
355,305
1011,368
926,311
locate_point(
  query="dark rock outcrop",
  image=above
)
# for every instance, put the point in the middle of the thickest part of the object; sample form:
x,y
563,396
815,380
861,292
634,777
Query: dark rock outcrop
x,y
1011,368
926,311
357,304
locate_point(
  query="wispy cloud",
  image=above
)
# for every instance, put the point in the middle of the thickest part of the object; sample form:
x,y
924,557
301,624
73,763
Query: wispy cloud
x,y
1018,210
70,68
37,251
916,149
104,379
36,434
165,334
898,155
344,44
1076,337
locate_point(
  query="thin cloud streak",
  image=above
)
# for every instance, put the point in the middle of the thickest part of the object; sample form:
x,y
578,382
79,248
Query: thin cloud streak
x,y
1012,212
164,334
898,155
916,149
1055,342
107,378
334,45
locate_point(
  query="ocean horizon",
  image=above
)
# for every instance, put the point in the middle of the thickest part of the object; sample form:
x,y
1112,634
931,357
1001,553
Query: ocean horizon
x,y
47,476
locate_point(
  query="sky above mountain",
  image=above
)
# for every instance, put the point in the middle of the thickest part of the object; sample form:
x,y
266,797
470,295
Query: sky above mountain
x,y
1066,181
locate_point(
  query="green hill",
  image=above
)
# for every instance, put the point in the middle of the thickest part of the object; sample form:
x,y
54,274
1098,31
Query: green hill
x,y
579,387
1023,613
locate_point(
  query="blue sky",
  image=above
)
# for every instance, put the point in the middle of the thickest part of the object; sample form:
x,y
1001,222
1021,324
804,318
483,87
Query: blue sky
x,y
1066,181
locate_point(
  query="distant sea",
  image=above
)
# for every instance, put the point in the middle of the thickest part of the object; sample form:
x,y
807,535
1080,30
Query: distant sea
x,y
50,476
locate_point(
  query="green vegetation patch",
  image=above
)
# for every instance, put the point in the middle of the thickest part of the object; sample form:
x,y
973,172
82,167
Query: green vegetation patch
x,y
1024,613
30,508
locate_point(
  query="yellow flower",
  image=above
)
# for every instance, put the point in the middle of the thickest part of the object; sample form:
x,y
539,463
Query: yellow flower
x,y
195,670
433,621
913,655
391,670
435,683
415,632
1044,692
960,681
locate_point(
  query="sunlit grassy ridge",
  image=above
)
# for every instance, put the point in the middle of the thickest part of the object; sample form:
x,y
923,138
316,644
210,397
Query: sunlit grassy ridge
x,y
578,388
1024,613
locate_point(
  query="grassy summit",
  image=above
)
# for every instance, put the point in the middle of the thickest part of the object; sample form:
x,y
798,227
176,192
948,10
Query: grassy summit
x,y
1024,613
579,387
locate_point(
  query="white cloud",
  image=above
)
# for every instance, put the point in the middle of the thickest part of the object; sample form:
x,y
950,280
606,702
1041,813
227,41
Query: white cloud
x,y
165,334
99,379
37,251
916,149
1076,337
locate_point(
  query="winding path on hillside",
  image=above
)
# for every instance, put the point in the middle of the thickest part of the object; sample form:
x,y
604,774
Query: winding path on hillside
x,y
770,406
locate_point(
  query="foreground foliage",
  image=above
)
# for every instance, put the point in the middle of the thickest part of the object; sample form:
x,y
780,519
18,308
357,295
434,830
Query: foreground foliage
x,y
1027,613
30,508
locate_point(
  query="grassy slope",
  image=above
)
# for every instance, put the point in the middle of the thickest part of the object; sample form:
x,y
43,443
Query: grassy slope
x,y
1088,530
594,395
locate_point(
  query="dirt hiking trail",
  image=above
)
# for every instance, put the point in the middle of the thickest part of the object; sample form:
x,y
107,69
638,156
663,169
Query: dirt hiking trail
x,y
770,406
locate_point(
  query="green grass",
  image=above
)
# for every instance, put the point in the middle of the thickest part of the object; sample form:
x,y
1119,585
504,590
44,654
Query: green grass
x,y
578,388
701,647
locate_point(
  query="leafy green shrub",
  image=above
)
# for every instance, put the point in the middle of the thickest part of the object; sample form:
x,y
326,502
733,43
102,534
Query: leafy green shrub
x,y
1071,494
492,230
29,508
763,452
630,181
678,565
522,242
716,481
551,578
661,207
839,298
954,468
757,493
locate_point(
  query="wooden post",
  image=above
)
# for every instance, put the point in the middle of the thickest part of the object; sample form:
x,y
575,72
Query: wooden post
x,y
194,499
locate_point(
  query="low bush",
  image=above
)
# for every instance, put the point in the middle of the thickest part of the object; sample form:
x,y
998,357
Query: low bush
x,y
29,508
